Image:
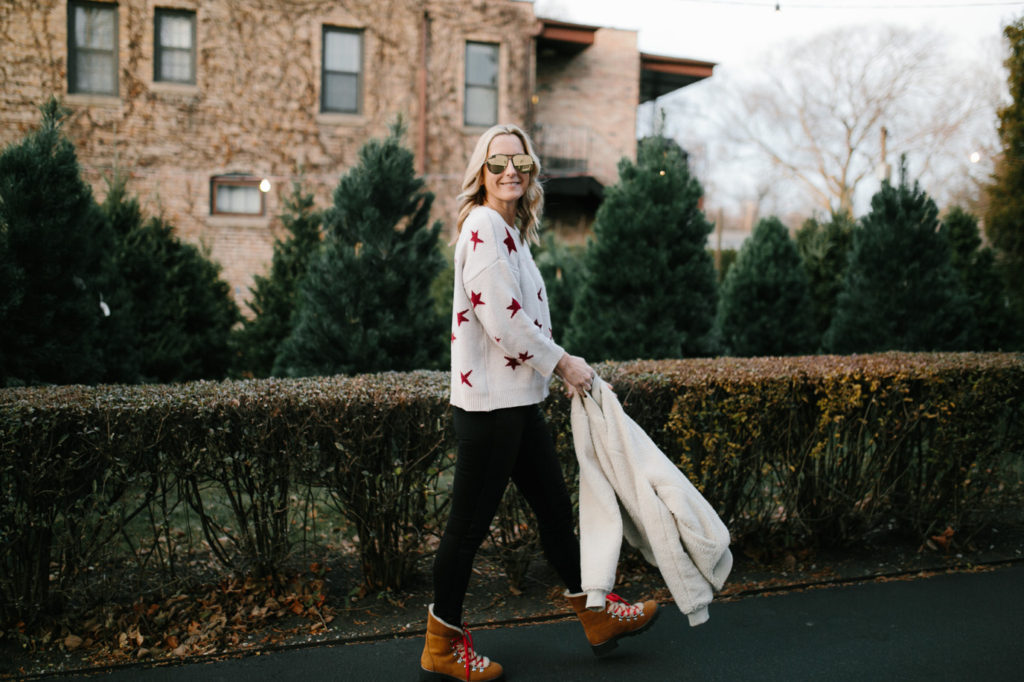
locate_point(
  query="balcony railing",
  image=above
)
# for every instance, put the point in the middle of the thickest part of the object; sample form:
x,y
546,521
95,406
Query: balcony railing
x,y
563,149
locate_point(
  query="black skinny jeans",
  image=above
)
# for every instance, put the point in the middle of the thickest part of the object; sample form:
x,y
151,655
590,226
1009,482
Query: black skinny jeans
x,y
494,447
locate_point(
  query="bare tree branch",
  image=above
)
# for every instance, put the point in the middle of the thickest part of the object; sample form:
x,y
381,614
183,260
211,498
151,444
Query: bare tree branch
x,y
815,111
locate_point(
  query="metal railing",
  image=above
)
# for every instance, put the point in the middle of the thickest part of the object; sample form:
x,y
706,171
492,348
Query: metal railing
x,y
563,149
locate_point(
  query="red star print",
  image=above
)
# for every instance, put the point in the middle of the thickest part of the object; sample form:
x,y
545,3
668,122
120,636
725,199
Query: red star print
x,y
476,298
512,362
497,339
539,325
510,241
539,297
475,238
525,356
453,338
460,317
515,307
465,378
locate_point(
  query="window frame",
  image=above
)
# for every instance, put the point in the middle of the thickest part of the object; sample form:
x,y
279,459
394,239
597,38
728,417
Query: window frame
x,y
467,86
159,49
324,72
73,50
236,180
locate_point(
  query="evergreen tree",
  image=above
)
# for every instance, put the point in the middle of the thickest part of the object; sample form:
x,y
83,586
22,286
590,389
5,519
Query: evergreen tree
x,y
561,266
726,259
994,327
365,304
54,261
901,291
180,310
124,349
824,250
764,307
649,288
1004,221
274,297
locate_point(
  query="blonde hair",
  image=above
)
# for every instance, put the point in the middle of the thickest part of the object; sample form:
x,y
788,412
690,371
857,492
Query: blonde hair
x,y
473,193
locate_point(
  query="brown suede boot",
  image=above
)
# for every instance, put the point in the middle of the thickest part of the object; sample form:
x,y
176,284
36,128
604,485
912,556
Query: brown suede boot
x,y
618,619
448,655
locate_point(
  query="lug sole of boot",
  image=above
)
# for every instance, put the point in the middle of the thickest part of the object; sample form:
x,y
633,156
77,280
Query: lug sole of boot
x,y
431,676
611,644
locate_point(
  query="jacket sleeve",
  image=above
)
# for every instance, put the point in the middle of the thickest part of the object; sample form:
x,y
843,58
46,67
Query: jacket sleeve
x,y
600,516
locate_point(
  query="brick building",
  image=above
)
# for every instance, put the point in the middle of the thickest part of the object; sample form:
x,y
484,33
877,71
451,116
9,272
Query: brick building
x,y
212,108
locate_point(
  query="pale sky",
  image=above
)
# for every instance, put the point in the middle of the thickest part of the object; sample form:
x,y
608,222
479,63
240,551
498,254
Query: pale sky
x,y
731,32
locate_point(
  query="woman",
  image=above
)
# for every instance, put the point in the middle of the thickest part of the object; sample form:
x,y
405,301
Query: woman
x,y
503,356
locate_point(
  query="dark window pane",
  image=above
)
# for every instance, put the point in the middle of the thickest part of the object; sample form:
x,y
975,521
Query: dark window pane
x,y
341,92
341,51
481,106
92,48
238,199
175,46
341,82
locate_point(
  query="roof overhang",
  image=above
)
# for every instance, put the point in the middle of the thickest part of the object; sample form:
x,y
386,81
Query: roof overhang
x,y
660,75
563,37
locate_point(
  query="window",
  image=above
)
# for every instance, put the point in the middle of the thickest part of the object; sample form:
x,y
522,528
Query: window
x,y
342,70
236,195
481,84
92,47
174,46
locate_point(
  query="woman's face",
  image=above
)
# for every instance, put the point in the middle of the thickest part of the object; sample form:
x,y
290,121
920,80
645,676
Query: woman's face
x,y
510,184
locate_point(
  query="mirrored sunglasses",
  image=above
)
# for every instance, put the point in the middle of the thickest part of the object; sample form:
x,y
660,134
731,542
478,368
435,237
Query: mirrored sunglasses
x,y
497,163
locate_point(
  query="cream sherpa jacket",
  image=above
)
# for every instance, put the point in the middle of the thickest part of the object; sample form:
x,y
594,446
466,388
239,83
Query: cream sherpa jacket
x,y
665,516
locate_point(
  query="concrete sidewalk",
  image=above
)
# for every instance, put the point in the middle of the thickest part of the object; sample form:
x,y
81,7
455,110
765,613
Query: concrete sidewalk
x,y
959,626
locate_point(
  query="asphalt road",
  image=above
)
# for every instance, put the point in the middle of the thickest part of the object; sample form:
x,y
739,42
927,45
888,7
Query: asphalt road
x,y
960,626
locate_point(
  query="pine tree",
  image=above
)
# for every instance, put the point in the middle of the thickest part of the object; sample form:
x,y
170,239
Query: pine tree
x,y
901,291
124,348
649,288
764,307
994,327
824,249
180,310
54,261
561,267
274,297
1004,221
365,304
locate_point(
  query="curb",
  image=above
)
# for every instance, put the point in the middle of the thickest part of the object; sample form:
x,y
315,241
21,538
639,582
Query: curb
x,y
923,571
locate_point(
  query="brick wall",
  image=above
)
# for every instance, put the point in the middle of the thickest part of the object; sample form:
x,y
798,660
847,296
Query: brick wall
x,y
595,91
255,107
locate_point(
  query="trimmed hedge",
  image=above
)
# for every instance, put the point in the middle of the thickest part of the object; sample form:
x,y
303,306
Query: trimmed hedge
x,y
792,451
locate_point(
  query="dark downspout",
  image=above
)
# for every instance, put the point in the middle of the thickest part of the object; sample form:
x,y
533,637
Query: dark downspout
x,y
421,133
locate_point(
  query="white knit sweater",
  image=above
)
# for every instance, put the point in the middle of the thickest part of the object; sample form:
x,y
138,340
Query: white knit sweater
x,y
503,352
629,488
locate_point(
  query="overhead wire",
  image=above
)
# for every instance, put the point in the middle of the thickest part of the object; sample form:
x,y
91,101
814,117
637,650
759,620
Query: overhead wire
x,y
783,5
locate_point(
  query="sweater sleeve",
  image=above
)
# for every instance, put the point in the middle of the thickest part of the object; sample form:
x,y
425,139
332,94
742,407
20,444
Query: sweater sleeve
x,y
491,279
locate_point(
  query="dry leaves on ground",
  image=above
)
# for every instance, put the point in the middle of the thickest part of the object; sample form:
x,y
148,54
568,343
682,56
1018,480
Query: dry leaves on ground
x,y
233,614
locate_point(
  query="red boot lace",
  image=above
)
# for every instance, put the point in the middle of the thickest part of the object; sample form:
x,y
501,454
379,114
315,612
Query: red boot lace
x,y
622,609
463,647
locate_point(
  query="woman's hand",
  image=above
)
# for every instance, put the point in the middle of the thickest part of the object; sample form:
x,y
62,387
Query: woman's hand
x,y
577,375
